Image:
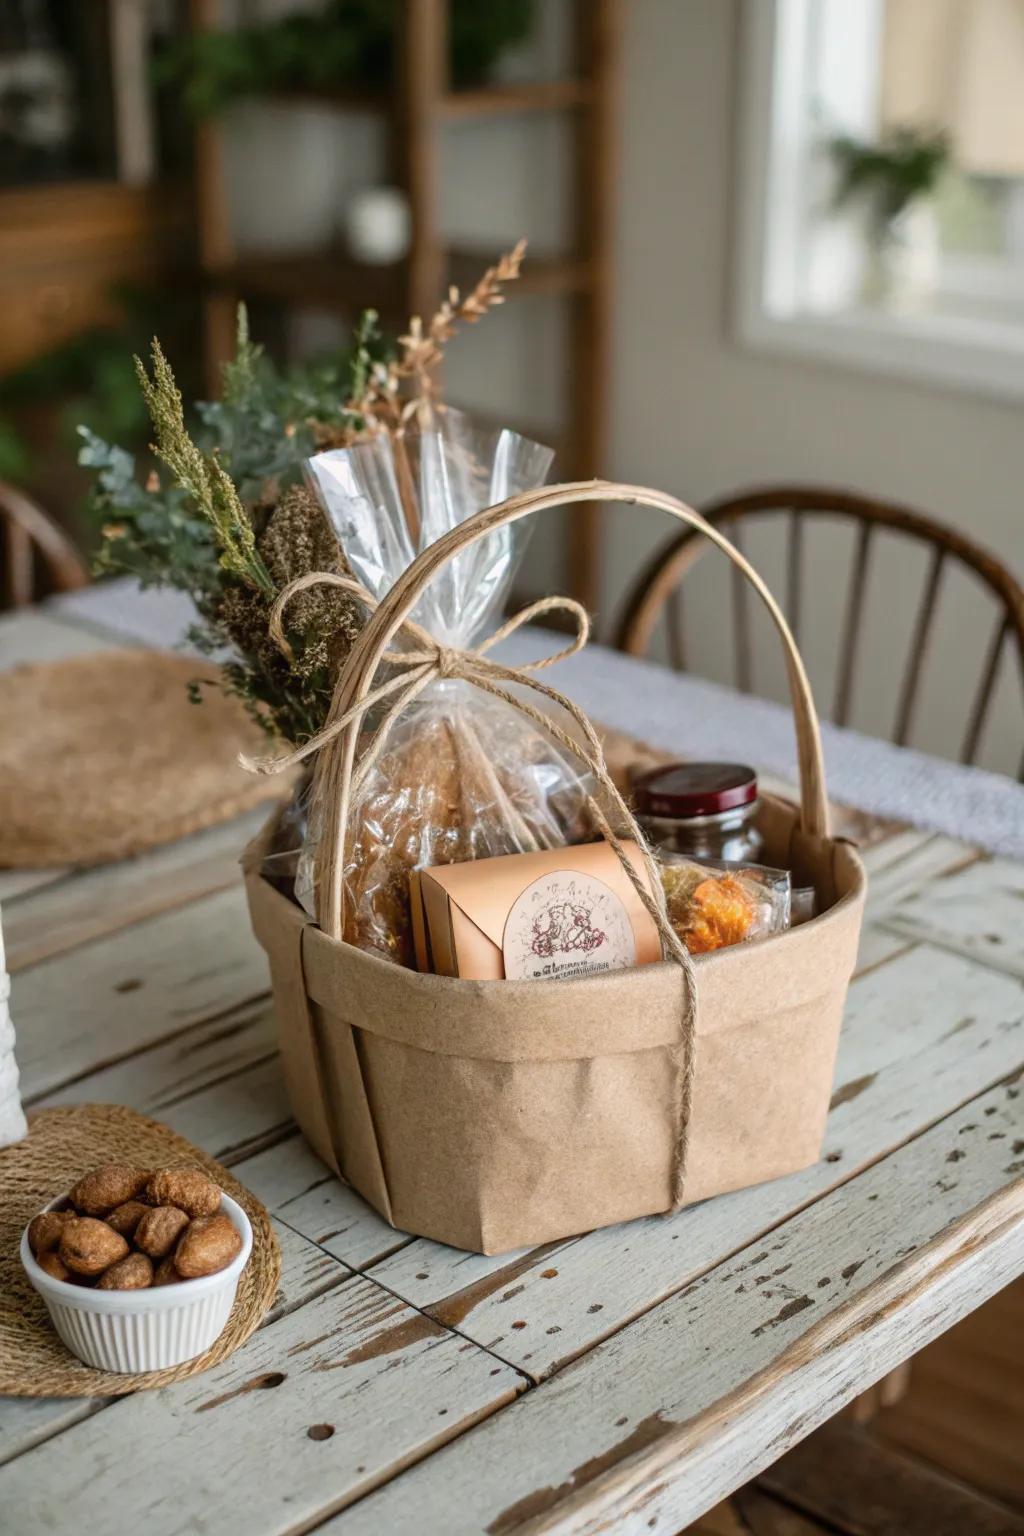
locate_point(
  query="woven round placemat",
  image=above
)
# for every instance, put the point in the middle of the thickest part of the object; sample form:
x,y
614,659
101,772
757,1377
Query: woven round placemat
x,y
104,755
61,1145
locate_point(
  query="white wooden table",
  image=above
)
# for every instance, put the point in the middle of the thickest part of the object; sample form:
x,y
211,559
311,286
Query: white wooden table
x,y
622,1381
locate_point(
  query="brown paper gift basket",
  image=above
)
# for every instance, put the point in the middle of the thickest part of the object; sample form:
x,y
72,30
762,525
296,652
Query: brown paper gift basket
x,y
493,1115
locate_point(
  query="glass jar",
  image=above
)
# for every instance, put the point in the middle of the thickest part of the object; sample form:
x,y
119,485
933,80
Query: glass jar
x,y
705,810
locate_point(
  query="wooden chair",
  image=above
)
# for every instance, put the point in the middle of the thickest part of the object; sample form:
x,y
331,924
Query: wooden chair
x,y
657,592
30,538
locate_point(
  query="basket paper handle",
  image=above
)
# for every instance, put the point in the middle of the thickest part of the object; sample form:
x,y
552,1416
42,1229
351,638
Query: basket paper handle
x,y
338,757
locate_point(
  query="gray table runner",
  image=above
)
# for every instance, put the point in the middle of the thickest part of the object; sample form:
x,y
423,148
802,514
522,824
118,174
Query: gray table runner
x,y
681,714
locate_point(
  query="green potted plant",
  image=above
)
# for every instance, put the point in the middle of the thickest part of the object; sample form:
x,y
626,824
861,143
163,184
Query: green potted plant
x,y
892,181
345,43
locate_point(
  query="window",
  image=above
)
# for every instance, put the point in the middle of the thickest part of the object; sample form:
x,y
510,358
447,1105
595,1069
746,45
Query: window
x,y
919,269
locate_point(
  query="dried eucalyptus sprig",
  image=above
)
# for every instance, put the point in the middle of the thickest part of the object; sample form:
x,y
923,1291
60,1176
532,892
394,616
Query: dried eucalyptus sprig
x,y
201,475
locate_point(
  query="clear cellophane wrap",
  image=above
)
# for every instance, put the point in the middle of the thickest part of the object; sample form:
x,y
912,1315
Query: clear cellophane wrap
x,y
463,775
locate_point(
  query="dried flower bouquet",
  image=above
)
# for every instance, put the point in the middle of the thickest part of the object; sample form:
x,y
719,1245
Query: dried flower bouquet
x,y
396,467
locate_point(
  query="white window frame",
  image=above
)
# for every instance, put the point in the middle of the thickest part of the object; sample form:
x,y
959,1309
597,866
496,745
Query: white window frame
x,y
785,251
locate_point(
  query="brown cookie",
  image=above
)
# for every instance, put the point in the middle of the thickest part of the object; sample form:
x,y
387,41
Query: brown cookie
x,y
166,1274
45,1230
125,1218
187,1188
207,1245
159,1230
50,1263
106,1187
88,1246
135,1273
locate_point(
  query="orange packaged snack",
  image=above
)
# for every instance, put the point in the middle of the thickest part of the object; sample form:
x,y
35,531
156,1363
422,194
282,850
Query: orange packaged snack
x,y
721,913
710,908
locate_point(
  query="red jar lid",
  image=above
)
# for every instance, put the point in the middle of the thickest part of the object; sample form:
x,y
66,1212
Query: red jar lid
x,y
694,789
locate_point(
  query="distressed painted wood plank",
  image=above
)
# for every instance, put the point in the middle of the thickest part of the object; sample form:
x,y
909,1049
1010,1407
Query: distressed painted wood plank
x,y
342,1223
896,865
863,827
312,1412
282,1172
248,1111
296,1186
432,1275
233,1117
97,902
128,614
819,1375
158,1078
306,1272
91,1007
891,849
672,1412
923,1034
29,1421
979,912
34,636
877,945
218,1084
15,883
922,862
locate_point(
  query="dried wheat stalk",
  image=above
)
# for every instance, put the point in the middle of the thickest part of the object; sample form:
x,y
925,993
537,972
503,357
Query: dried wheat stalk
x,y
423,348
381,406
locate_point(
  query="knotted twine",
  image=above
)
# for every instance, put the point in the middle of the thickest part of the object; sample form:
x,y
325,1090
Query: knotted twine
x,y
428,661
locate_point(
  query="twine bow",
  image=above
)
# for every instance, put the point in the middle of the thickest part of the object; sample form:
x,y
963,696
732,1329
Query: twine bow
x,y
426,662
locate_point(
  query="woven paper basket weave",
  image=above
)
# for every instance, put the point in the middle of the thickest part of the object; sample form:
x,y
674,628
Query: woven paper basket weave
x,y
492,1115
62,1144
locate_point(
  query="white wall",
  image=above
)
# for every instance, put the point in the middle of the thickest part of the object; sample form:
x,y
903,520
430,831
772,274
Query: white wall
x,y
694,413
691,411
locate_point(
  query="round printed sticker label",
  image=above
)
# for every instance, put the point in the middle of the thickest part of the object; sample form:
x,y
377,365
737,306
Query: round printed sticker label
x,y
567,924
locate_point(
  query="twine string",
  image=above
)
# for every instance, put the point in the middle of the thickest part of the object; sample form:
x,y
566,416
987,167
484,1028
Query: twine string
x,y
428,661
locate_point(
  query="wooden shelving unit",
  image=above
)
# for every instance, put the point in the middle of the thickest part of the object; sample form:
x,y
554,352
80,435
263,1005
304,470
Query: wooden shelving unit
x,y
422,102
332,280
485,101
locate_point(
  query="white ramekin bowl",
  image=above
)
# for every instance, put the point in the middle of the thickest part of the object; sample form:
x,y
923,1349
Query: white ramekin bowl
x,y
132,1331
